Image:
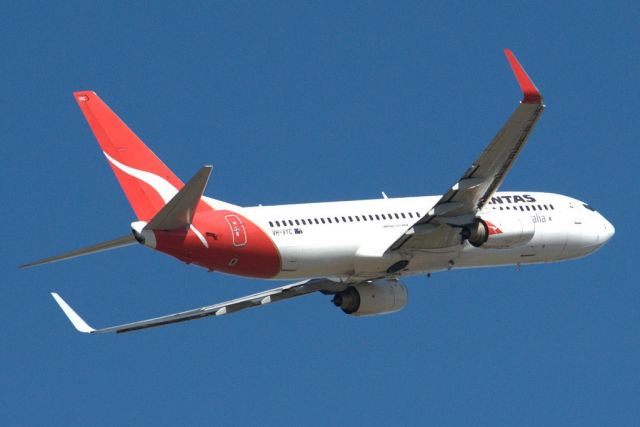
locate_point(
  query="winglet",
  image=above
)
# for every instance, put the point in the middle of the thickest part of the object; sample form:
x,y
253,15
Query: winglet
x,y
531,93
75,319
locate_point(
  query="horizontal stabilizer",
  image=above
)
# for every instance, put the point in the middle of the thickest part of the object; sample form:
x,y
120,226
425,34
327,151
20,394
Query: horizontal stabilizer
x,y
104,246
179,211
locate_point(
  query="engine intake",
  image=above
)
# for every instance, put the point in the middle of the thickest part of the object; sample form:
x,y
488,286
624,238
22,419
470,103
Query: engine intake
x,y
372,298
477,233
499,231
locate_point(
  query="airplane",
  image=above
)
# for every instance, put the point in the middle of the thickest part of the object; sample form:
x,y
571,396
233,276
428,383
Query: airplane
x,y
355,251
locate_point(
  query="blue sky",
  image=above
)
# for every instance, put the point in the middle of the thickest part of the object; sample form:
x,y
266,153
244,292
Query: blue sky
x,y
316,101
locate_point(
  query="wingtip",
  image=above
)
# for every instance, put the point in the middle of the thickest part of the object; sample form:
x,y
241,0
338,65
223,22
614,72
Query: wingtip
x,y
73,317
531,94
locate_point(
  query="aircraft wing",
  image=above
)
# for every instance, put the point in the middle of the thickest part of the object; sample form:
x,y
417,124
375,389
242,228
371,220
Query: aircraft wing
x,y
474,189
272,295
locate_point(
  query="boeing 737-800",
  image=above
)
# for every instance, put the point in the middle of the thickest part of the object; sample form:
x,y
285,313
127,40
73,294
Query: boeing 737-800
x,y
356,251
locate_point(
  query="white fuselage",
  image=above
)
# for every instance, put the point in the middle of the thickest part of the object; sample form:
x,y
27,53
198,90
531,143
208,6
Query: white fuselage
x,y
348,239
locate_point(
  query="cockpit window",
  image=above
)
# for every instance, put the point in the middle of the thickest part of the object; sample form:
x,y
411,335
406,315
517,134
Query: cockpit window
x,y
588,207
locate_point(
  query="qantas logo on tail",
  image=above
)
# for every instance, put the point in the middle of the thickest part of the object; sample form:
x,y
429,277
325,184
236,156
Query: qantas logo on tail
x,y
161,185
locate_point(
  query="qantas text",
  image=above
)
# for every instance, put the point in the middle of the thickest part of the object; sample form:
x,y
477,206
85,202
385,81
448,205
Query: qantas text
x,y
524,198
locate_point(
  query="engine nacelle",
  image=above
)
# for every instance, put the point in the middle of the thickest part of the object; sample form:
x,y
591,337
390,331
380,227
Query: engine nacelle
x,y
370,299
499,231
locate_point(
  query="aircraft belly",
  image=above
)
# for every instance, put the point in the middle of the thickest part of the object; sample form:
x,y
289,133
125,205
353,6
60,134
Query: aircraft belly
x,y
432,261
479,257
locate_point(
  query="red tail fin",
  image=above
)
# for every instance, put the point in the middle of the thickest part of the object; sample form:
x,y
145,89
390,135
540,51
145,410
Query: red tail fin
x,y
147,182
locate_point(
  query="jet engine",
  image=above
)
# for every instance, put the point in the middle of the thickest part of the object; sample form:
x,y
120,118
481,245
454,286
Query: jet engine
x,y
499,231
372,298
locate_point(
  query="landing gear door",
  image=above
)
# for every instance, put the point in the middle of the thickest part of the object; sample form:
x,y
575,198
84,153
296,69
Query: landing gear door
x,y
238,232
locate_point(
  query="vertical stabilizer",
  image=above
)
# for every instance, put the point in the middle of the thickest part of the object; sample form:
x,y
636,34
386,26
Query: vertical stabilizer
x,y
146,181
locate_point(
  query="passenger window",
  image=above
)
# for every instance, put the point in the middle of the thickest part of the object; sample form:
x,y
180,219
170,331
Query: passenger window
x,y
297,222
521,208
329,219
533,207
357,218
337,220
397,216
403,217
410,215
278,223
350,219
270,224
527,207
418,214
377,217
291,223
371,217
383,217
551,206
322,219
303,222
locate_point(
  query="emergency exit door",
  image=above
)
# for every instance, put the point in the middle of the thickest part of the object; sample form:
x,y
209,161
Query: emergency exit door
x,y
238,233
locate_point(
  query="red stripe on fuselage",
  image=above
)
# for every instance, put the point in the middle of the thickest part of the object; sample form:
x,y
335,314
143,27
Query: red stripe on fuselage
x,y
259,257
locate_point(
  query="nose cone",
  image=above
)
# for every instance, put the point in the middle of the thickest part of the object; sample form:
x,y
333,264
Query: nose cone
x,y
588,235
608,232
